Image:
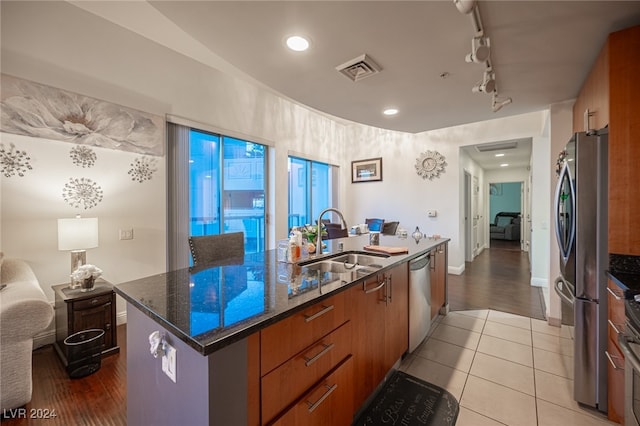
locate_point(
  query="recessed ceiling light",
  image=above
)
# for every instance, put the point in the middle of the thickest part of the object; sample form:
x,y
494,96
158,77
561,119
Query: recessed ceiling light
x,y
499,155
390,111
297,43
504,165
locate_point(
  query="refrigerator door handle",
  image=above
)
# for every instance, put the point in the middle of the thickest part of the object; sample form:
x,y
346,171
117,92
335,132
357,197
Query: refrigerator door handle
x,y
557,286
565,243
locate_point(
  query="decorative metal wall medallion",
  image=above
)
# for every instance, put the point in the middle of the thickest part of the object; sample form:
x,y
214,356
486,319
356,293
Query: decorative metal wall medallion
x,y
14,161
430,164
83,192
142,169
83,156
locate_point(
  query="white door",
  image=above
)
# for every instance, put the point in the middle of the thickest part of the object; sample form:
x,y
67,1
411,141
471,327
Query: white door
x,y
476,217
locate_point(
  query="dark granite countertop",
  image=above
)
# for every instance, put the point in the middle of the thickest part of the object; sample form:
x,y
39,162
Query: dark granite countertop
x,y
212,307
624,270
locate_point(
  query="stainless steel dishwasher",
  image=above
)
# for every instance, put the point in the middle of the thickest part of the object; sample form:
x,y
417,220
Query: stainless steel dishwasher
x,y
419,300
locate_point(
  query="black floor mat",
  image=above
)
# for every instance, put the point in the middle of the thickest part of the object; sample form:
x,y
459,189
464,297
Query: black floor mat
x,y
406,400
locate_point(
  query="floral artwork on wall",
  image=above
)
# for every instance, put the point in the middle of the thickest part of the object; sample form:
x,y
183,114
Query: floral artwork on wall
x,y
83,156
14,161
37,110
82,192
142,169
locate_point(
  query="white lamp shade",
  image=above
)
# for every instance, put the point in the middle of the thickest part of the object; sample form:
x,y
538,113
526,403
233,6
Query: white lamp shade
x,y
77,233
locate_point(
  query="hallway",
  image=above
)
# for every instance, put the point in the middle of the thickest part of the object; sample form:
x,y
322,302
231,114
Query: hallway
x,y
497,279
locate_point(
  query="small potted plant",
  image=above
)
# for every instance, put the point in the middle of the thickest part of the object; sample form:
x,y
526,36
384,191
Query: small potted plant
x,y
86,275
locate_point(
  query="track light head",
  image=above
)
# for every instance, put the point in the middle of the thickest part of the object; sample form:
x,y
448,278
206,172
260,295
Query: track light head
x,y
487,85
465,6
497,105
480,50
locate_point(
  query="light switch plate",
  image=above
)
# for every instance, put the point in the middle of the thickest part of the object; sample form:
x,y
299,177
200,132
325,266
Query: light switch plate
x,y
432,213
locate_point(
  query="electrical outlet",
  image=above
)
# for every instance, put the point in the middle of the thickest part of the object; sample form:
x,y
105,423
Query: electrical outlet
x,y
126,234
432,213
169,362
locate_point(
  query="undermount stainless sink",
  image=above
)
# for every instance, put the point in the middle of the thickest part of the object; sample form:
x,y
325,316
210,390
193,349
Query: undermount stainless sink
x,y
351,259
327,266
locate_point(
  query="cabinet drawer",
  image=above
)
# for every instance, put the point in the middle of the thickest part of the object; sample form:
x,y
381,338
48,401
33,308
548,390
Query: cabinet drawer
x,y
328,403
282,340
615,383
283,385
91,303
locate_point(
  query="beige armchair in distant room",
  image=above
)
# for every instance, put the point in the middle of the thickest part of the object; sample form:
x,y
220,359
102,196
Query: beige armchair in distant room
x,y
24,312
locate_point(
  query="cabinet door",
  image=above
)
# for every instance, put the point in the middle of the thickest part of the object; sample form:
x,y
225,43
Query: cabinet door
x,y
368,317
397,315
97,317
328,403
437,279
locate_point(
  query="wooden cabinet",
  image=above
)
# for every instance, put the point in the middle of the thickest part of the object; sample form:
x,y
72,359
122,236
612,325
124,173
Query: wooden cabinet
x,y
327,403
379,310
302,359
438,278
615,367
612,93
76,311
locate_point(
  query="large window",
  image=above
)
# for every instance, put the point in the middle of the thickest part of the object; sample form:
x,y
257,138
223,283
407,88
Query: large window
x,y
227,187
312,188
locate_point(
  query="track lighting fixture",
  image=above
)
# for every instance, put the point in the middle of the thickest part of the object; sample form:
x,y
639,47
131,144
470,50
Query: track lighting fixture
x,y
487,85
480,53
498,104
480,50
465,6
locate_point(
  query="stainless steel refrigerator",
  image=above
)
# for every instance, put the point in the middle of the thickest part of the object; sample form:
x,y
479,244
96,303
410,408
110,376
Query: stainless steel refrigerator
x,y
581,231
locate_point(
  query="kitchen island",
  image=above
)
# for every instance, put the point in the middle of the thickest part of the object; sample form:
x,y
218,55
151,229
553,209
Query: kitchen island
x,y
238,329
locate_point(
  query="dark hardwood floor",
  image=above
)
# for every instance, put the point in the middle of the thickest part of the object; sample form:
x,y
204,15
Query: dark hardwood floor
x,y
497,279
98,399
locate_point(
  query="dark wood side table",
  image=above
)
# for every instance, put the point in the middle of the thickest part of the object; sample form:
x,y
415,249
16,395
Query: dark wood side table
x,y
77,311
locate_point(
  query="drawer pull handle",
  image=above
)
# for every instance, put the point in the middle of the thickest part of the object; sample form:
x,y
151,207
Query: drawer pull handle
x,y
373,290
612,362
94,301
615,327
613,293
314,405
325,349
325,309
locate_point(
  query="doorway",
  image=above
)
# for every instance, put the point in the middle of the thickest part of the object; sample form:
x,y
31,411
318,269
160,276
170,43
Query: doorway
x,y
506,212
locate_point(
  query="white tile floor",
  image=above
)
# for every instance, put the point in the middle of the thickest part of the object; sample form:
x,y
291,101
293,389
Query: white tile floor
x,y
504,369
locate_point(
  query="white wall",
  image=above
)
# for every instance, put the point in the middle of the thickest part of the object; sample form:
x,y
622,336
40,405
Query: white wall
x,y
561,129
77,51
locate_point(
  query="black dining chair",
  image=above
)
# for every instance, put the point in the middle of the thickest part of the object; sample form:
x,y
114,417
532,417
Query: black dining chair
x,y
334,230
389,228
210,248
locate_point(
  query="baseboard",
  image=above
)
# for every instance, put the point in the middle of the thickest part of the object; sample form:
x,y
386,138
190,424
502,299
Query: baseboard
x,y
47,337
539,282
556,322
456,270
121,318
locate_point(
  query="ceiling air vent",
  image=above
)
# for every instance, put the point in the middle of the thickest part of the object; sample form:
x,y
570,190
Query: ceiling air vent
x,y
497,146
361,67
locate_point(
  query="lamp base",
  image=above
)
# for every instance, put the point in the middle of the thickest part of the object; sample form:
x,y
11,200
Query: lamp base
x,y
78,258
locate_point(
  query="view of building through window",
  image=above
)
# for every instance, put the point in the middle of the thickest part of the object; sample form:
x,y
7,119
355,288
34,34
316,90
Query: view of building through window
x,y
227,187
310,190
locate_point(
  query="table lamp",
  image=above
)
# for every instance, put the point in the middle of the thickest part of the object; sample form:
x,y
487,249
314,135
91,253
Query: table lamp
x,y
78,234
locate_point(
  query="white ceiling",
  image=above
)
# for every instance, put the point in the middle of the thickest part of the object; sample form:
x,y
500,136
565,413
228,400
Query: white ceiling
x,y
541,52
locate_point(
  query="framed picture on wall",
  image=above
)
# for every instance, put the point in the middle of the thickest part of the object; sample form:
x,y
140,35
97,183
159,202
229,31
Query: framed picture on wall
x,y
495,189
366,170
